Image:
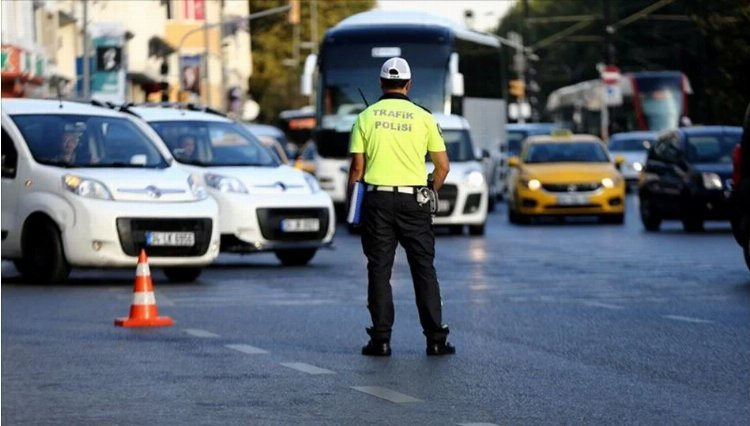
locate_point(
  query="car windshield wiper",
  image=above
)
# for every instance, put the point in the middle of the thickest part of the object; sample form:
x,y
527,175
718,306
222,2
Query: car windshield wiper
x,y
194,162
118,165
59,163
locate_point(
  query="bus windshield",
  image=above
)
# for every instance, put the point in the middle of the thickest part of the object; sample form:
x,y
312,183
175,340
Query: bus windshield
x,y
661,100
343,79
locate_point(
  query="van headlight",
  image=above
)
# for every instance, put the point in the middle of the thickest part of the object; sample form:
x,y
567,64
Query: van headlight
x,y
85,187
197,188
711,181
225,183
312,182
474,180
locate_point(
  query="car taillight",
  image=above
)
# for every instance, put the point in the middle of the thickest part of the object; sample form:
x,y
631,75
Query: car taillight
x,y
736,156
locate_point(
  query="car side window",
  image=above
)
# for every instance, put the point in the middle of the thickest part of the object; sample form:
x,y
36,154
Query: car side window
x,y
9,156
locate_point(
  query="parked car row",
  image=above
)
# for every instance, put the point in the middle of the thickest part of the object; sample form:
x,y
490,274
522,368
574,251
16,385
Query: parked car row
x,y
90,186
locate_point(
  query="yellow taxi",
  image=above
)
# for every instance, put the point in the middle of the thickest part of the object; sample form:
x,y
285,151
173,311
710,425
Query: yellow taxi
x,y
565,174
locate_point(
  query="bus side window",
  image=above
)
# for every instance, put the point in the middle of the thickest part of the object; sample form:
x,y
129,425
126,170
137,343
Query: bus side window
x,y
9,156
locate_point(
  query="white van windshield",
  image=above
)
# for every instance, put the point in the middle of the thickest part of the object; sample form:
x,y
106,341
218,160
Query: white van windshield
x,y
87,141
209,143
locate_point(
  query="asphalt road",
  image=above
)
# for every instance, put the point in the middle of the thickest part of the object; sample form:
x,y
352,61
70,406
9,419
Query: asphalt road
x,y
554,323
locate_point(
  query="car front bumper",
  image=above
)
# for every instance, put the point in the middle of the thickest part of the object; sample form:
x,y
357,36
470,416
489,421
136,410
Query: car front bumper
x,y
541,202
111,233
252,223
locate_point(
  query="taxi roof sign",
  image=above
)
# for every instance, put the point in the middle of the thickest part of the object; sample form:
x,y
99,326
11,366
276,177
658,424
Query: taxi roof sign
x,y
561,132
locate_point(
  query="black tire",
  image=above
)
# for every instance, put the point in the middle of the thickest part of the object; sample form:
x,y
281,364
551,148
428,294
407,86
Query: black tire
x,y
298,257
456,229
43,258
517,218
476,229
183,274
617,219
651,219
746,251
491,200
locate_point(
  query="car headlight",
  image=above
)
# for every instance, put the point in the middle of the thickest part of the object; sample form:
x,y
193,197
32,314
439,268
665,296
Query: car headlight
x,y
533,184
312,182
637,166
611,182
711,181
197,187
225,183
474,179
86,187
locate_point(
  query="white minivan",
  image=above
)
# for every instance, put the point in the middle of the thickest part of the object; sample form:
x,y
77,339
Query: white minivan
x,y
264,206
86,186
464,197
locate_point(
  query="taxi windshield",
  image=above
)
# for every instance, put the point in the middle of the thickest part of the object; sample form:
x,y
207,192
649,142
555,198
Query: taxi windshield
x,y
70,141
209,143
566,152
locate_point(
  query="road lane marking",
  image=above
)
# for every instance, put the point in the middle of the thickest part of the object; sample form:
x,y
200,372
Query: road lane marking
x,y
200,333
307,368
387,394
603,305
477,424
247,349
687,319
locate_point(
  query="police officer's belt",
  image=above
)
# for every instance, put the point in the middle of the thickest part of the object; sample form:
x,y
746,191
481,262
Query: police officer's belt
x,y
402,189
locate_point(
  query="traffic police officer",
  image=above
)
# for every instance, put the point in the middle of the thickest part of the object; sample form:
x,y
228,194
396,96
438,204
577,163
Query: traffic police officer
x,y
389,143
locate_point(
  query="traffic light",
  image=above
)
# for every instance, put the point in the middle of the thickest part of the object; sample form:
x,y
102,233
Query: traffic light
x,y
517,88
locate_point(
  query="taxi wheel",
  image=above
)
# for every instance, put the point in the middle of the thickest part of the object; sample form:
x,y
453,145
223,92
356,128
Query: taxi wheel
x,y
476,229
617,219
295,257
43,258
182,275
650,219
517,218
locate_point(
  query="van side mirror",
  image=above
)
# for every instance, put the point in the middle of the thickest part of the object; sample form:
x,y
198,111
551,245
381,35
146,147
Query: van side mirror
x,y
457,79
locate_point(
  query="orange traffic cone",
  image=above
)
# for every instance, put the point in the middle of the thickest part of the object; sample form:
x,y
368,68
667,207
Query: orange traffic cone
x,y
143,310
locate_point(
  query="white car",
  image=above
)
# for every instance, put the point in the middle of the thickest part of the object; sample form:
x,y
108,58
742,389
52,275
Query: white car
x,y
263,205
633,147
85,186
464,196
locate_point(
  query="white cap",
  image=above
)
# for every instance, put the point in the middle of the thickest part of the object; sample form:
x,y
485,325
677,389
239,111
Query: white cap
x,y
395,69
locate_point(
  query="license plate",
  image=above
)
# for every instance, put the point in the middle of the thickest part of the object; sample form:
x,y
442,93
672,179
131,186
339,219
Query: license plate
x,y
572,200
444,205
300,225
182,239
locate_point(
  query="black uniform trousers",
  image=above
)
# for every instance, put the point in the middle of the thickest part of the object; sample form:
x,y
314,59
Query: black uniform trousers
x,y
391,218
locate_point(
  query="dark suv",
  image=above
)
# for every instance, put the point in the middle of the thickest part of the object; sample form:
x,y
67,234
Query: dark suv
x,y
741,192
688,176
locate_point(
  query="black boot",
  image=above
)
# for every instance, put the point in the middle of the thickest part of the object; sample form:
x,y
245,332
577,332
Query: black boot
x,y
442,347
377,348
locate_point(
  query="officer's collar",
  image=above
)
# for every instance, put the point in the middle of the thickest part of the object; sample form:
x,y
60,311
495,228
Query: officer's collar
x,y
394,95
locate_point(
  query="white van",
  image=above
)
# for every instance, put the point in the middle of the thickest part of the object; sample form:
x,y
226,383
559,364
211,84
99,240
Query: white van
x,y
264,206
464,197
85,186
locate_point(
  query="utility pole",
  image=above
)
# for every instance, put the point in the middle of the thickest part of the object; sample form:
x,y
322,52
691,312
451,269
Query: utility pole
x,y
519,66
86,54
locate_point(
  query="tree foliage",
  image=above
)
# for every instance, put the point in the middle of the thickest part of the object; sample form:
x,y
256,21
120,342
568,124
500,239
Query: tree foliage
x,y
707,40
275,80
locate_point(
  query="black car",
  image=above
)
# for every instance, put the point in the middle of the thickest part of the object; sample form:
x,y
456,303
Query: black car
x,y
688,176
741,192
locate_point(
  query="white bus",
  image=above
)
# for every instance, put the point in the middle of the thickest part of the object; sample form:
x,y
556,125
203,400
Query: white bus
x,y
455,71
